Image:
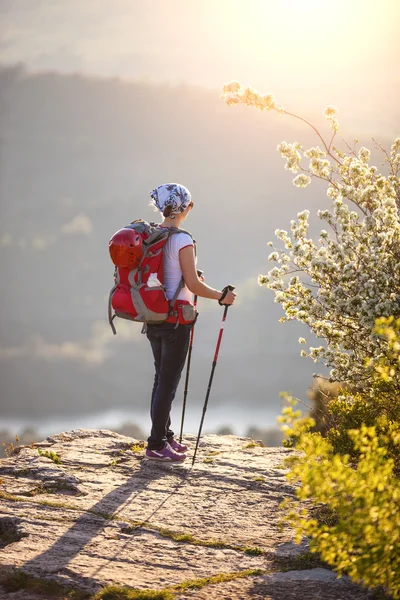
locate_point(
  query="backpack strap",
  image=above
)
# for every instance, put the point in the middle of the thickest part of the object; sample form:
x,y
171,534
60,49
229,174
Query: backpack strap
x,y
181,285
173,230
110,317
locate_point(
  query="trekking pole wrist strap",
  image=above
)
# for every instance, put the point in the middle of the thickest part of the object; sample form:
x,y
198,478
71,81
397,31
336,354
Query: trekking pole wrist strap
x,y
224,293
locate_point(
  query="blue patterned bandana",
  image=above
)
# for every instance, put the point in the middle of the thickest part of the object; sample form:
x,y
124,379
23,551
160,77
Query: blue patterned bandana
x,y
171,194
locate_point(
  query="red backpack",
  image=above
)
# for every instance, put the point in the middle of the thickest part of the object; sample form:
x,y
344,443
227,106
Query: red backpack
x,y
139,293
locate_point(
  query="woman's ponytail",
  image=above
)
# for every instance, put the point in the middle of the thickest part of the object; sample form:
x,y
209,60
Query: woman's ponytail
x,y
168,212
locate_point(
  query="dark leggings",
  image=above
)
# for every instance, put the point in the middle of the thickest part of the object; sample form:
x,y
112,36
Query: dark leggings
x,y
170,346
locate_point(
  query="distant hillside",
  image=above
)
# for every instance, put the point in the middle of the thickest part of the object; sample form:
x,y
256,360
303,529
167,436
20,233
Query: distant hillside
x,y
78,158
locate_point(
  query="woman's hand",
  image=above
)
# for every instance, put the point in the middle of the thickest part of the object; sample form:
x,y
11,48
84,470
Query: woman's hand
x,y
229,298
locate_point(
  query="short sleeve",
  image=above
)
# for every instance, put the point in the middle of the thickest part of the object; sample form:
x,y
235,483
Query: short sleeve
x,y
182,240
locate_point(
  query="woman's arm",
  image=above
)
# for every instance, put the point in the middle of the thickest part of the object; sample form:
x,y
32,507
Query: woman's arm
x,y
189,272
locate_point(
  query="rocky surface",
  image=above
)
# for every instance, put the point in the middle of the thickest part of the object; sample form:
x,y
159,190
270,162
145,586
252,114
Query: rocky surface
x,y
85,509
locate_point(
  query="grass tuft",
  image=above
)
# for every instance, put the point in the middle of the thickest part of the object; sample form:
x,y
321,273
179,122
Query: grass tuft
x,y
52,489
5,496
253,551
101,514
57,504
22,472
138,448
251,444
197,584
177,537
18,580
301,562
115,592
51,455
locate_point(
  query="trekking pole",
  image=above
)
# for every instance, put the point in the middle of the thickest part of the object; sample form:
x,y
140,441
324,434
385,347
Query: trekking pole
x,y
187,374
221,331
199,274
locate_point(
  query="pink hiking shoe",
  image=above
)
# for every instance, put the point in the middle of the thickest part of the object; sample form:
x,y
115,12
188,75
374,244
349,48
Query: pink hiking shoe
x,y
166,454
177,446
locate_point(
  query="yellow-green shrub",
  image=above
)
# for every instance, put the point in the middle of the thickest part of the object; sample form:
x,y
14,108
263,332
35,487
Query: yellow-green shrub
x,y
364,539
352,411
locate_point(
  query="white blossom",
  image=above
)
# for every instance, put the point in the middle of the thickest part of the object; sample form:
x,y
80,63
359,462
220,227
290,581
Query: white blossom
x,y
350,275
330,113
354,274
315,152
232,87
364,154
302,180
292,154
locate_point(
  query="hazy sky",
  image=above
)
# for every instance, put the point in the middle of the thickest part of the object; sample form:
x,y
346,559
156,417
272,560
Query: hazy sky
x,y
307,52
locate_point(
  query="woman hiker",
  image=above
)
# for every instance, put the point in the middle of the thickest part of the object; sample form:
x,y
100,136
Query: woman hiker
x,y
169,340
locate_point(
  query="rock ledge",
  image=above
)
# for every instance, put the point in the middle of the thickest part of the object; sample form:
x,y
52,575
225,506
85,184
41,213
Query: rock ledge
x,y
105,515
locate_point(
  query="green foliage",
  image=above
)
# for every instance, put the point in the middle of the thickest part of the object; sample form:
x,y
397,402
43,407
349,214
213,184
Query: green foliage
x,y
293,424
387,364
364,537
338,409
352,411
351,474
51,455
321,393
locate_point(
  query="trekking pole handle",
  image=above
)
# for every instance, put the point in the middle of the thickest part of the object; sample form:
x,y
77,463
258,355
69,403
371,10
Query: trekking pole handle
x,y
226,289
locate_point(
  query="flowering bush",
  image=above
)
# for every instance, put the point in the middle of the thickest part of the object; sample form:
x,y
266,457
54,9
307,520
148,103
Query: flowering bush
x,y
341,283
346,287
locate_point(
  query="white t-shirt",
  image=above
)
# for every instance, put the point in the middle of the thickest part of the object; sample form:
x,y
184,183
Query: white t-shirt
x,y
172,267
